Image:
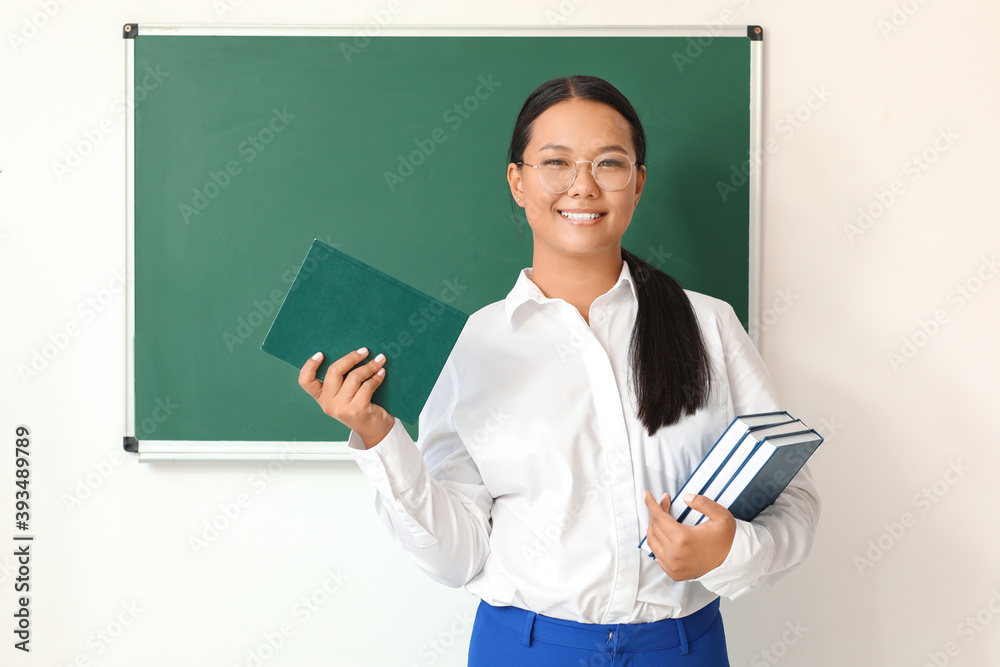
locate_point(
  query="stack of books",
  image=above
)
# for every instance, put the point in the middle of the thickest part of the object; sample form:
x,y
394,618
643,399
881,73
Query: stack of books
x,y
748,467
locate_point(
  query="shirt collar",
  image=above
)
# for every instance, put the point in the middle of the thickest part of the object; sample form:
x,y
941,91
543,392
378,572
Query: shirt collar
x,y
525,290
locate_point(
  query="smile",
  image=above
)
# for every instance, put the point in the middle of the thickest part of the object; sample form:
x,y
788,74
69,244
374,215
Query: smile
x,y
582,219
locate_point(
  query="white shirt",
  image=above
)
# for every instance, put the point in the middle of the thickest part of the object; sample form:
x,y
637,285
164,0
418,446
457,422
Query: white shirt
x,y
526,482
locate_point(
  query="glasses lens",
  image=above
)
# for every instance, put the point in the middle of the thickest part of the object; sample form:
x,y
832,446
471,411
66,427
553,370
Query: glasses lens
x,y
555,174
612,171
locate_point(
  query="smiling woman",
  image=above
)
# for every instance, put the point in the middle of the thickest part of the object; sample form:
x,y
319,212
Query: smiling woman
x,y
559,409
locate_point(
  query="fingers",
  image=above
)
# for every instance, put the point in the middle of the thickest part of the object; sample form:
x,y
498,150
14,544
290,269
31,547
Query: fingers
x,y
334,377
660,521
712,510
366,379
651,504
307,375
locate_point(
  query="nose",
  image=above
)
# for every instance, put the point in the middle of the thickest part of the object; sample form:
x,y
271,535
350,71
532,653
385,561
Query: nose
x,y
584,185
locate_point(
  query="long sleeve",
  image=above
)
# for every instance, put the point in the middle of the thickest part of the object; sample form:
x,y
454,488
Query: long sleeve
x,y
429,493
781,536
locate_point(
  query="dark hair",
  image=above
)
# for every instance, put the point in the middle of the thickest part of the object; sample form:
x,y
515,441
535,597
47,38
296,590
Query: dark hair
x,y
671,374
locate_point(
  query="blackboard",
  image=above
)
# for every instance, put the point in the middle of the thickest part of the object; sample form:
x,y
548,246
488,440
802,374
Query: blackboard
x,y
245,144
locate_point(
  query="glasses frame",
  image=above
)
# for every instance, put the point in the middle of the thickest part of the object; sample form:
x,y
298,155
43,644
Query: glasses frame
x,y
632,164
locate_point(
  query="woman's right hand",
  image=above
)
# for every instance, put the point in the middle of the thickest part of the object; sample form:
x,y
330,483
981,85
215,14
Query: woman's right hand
x,y
348,399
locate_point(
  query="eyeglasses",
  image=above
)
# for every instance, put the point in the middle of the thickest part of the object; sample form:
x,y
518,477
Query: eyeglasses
x,y
556,174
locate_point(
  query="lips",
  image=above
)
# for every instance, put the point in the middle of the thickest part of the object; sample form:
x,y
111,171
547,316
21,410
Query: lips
x,y
582,217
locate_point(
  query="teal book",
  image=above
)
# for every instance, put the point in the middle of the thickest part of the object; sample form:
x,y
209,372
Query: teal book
x,y
337,304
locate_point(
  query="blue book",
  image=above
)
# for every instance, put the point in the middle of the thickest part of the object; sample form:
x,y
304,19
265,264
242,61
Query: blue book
x,y
720,453
749,466
747,446
767,472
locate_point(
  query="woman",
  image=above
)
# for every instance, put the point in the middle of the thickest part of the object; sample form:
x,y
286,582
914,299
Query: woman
x,y
597,383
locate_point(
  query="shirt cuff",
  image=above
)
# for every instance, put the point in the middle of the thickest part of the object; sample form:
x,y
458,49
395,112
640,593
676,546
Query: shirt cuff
x,y
749,555
393,464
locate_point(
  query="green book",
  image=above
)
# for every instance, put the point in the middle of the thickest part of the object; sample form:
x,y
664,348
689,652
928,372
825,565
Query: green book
x,y
338,304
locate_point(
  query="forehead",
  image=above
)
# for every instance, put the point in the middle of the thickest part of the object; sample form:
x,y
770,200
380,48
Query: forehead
x,y
581,126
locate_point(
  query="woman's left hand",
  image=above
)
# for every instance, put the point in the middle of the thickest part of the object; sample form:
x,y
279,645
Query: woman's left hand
x,y
687,552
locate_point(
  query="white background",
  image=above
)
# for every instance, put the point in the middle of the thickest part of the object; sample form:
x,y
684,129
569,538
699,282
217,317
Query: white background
x,y
854,91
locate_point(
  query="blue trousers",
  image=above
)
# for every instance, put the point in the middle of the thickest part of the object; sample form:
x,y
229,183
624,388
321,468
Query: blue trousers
x,y
506,636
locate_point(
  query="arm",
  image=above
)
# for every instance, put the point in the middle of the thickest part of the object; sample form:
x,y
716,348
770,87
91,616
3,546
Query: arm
x,y
781,536
429,493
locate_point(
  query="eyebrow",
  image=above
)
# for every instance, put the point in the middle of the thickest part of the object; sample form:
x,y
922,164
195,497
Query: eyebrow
x,y
602,149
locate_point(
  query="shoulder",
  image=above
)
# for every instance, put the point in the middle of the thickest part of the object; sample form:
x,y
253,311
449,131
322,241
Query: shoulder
x,y
481,328
712,313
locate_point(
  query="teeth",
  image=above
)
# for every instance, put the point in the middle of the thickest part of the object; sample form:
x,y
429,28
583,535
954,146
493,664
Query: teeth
x,y
581,216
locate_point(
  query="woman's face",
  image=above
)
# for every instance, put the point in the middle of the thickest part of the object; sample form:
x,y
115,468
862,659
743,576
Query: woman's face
x,y
581,130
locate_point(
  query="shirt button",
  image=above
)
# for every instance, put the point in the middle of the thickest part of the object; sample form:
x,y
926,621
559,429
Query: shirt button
x,y
600,314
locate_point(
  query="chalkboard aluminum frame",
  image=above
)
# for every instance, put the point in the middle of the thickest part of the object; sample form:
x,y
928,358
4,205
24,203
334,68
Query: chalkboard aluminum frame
x,y
153,450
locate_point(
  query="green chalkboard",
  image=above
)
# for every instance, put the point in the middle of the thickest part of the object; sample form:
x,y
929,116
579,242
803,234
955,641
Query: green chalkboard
x,y
392,149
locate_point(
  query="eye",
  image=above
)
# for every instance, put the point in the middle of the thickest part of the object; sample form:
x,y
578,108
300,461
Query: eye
x,y
612,163
555,162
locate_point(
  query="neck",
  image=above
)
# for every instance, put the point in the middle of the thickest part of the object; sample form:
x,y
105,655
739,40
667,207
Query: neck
x,y
576,279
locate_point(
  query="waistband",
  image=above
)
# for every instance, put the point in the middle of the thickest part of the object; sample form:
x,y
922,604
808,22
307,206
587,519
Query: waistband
x,y
657,635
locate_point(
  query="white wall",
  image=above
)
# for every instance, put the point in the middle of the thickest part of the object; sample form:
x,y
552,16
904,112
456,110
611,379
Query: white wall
x,y
121,563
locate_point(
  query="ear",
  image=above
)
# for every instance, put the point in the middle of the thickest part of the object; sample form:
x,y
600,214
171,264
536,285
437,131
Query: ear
x,y
514,179
640,181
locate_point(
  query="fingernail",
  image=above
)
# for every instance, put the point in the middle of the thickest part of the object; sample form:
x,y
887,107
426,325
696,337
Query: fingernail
x,y
663,497
688,497
380,357
317,355
363,350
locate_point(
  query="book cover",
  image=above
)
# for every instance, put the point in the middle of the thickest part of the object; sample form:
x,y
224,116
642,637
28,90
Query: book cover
x,y
337,304
747,446
720,453
767,472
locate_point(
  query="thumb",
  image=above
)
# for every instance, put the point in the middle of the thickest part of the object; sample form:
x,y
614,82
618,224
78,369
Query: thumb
x,y
711,509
